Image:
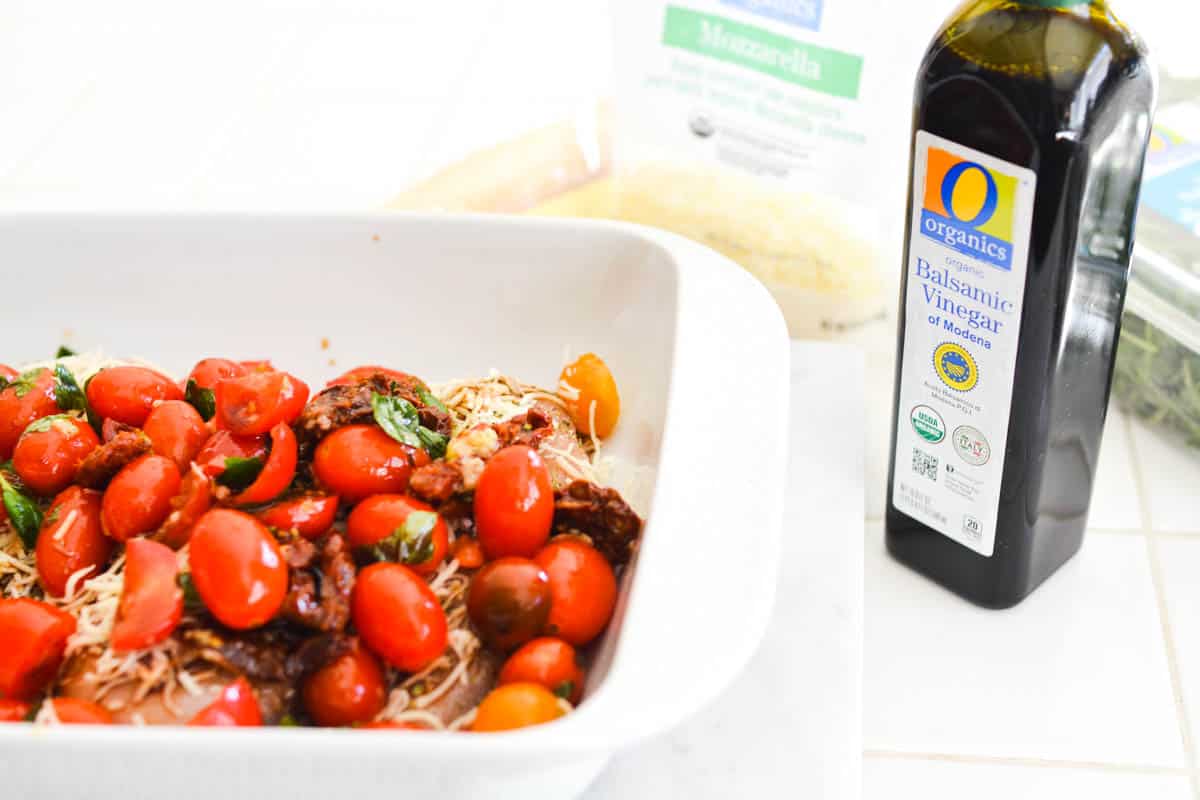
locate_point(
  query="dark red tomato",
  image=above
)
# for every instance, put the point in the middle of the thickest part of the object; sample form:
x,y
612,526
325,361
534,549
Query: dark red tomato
x,y
360,373
7,372
211,371
309,515
277,473
138,499
49,452
236,706
258,401
22,402
71,539
35,637
547,661
514,503
14,710
398,616
349,690
382,516
361,460
73,711
129,394
584,589
509,602
151,601
238,568
177,432
194,498
222,445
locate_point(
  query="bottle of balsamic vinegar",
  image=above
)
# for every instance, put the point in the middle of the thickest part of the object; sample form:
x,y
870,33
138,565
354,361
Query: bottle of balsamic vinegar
x,y
1031,121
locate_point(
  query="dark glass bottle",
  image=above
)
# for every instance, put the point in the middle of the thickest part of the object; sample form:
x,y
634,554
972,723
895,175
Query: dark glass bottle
x,y
1030,127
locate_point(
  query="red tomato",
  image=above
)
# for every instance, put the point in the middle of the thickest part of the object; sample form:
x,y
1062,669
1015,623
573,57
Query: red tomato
x,y
517,705
509,602
35,636
383,515
222,445
151,601
468,552
71,539
49,452
398,616
277,473
360,373
309,515
138,499
514,503
177,432
546,661
361,460
14,710
584,589
128,394
349,690
238,568
237,706
73,711
22,402
260,365
258,401
210,371
194,498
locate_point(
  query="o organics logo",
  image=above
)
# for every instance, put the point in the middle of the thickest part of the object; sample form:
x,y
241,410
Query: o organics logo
x,y
969,208
956,367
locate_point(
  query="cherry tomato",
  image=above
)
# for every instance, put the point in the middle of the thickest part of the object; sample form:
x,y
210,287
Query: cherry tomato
x,y
359,373
222,445
238,568
177,432
236,706
516,705
514,503
361,460
258,401
258,365
349,690
589,392
277,473
309,515
509,602
151,601
398,616
35,637
138,499
383,515
128,394
411,725
22,402
546,661
468,552
584,589
49,452
210,371
14,710
71,539
73,711
194,498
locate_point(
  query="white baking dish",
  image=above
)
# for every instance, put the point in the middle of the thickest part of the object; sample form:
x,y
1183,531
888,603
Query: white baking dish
x,y
700,353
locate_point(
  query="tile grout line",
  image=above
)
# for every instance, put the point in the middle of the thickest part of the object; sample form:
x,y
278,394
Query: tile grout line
x,y
1160,595
1041,763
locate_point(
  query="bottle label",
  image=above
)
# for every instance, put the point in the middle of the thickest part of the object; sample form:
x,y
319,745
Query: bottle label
x,y
1172,179
971,220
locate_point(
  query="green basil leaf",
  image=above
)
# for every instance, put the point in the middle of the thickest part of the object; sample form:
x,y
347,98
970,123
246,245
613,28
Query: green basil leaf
x,y
412,542
45,423
92,417
23,513
397,417
191,597
240,472
63,351
565,690
430,399
433,442
67,393
201,399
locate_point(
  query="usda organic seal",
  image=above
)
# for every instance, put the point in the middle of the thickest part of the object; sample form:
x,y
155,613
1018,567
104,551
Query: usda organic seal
x,y
928,424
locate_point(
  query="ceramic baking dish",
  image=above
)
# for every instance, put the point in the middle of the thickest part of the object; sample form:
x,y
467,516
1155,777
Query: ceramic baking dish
x,y
700,353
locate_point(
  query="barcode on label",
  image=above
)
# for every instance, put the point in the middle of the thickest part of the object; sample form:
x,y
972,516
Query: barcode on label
x,y
924,464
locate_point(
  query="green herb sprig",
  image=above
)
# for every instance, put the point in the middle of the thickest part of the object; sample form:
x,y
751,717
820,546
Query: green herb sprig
x,y
399,419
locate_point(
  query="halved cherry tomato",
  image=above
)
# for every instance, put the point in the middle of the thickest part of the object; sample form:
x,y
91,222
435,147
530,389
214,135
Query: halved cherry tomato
x,y
359,373
128,394
514,503
7,372
138,499
35,637
258,401
546,661
209,372
71,539
73,711
14,710
237,568
411,725
468,552
49,452
387,515
349,690
584,589
587,388
361,460
151,601
277,473
222,445
309,515
22,402
177,431
516,705
194,498
398,616
236,706
509,602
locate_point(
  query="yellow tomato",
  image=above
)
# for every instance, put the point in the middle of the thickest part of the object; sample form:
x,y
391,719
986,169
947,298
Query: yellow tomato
x,y
590,393
516,705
